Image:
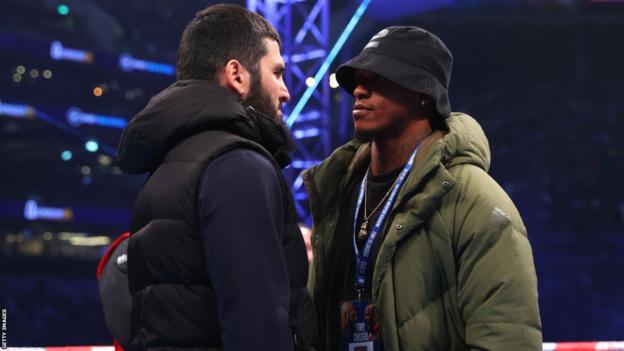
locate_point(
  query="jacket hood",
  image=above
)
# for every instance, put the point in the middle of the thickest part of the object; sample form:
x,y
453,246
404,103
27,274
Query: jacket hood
x,y
188,107
465,143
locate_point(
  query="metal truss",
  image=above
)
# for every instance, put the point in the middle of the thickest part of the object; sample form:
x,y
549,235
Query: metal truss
x,y
304,28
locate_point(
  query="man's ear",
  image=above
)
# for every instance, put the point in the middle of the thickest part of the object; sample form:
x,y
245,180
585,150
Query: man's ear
x,y
235,77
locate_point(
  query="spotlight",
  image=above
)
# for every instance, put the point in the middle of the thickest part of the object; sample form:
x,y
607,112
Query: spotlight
x,y
104,160
66,155
62,10
333,83
92,146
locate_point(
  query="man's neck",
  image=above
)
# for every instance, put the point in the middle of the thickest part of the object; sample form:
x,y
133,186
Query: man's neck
x,y
390,153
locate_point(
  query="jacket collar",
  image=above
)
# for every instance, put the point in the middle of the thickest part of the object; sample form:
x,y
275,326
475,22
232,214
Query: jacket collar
x,y
427,182
186,108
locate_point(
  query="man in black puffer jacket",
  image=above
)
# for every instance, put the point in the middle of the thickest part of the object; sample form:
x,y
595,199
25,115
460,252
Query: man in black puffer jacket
x,y
215,257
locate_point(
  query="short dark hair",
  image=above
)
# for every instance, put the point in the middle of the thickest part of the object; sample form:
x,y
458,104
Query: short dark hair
x,y
218,34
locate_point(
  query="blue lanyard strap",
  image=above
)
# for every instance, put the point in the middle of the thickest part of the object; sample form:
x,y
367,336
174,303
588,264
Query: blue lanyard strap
x,y
362,259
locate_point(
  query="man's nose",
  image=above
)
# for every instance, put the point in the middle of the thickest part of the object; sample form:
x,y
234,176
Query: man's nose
x,y
360,92
284,94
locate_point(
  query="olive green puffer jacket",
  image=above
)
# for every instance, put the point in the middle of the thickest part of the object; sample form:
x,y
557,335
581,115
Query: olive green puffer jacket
x,y
455,270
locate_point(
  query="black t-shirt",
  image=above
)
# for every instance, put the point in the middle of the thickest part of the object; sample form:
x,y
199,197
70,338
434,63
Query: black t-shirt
x,y
341,280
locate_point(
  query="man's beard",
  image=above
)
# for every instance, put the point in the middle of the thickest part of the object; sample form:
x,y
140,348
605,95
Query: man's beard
x,y
261,101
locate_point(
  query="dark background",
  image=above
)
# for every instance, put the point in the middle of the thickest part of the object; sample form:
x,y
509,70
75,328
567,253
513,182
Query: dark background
x,y
542,77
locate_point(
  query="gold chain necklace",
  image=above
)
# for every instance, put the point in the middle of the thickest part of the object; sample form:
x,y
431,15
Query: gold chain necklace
x,y
363,233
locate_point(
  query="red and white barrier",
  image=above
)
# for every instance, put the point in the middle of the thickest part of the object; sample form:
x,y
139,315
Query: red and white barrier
x,y
584,346
548,346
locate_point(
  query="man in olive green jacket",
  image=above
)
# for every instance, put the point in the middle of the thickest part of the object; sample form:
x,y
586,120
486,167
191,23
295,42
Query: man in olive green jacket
x,y
451,268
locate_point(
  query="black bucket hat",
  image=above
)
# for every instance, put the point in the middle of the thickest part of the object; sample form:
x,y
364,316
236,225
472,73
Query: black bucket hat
x,y
409,56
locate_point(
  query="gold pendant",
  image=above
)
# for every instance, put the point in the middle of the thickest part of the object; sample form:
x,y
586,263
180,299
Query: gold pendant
x,y
363,231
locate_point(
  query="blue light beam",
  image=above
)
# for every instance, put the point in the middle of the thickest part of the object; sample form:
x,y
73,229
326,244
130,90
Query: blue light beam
x,y
328,61
128,63
72,131
76,117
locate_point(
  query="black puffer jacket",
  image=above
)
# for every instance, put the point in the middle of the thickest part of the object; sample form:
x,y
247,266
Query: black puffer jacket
x,y
174,139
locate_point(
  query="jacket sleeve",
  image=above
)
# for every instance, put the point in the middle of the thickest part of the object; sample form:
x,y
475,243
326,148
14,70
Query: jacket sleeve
x,y
241,223
497,283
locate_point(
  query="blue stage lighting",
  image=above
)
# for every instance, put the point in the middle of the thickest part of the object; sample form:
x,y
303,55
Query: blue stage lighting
x,y
66,155
76,117
33,212
19,111
59,52
303,164
306,133
92,146
62,10
128,63
330,58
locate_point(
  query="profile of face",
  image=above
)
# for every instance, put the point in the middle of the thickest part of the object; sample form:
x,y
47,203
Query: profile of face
x,y
382,107
347,315
267,91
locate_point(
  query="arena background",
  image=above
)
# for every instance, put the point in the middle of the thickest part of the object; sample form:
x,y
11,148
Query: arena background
x,y
542,77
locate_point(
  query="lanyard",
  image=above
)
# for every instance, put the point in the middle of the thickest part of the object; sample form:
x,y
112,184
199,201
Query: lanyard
x,y
362,259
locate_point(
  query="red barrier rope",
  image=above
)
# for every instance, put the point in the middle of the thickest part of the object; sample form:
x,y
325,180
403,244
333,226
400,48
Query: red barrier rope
x,y
549,346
